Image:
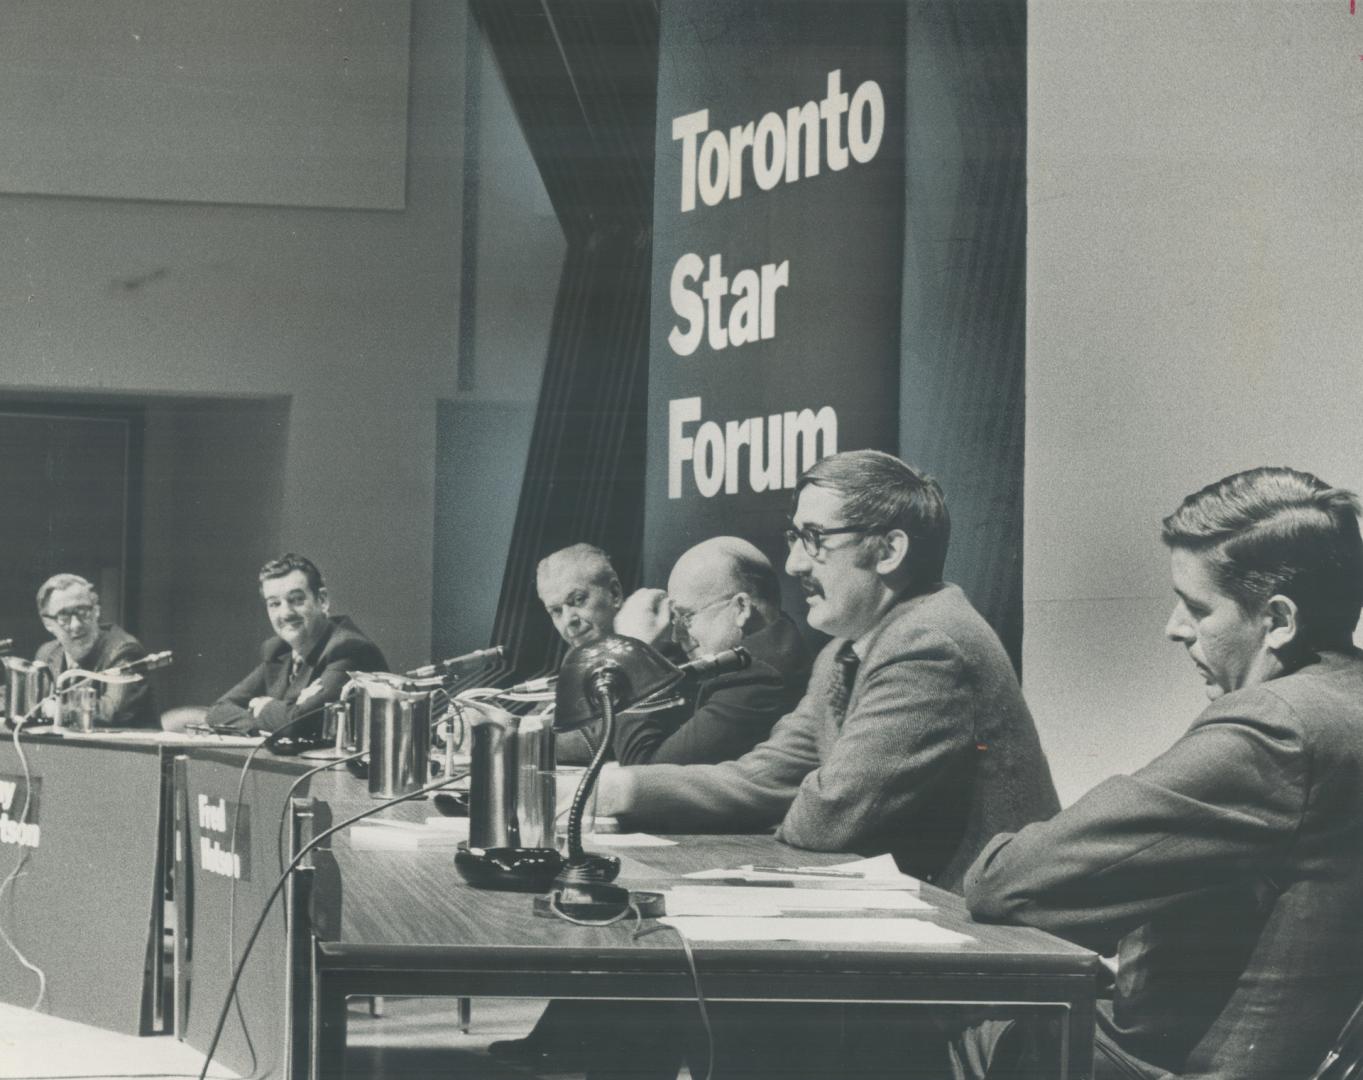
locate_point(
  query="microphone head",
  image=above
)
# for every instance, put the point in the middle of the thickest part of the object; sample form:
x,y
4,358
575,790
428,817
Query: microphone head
x,y
720,663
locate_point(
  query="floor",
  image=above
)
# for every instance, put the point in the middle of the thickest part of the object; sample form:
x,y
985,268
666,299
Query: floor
x,y
415,1039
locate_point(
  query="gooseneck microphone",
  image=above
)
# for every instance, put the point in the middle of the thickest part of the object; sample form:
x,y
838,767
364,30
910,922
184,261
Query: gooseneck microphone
x,y
477,658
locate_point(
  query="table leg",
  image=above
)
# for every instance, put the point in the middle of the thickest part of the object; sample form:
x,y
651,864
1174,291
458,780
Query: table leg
x,y
328,1034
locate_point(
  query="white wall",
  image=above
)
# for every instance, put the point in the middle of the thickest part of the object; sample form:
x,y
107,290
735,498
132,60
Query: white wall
x,y
1195,223
350,315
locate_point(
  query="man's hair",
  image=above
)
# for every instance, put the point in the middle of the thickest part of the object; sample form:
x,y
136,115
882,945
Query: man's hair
x,y
597,561
879,490
62,581
756,577
287,564
1275,530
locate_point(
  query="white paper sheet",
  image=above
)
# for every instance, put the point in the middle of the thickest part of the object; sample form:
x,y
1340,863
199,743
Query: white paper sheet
x,y
758,901
878,873
913,933
629,839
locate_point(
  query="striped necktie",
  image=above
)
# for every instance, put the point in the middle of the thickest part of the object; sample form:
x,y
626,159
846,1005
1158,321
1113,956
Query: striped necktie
x,y
843,678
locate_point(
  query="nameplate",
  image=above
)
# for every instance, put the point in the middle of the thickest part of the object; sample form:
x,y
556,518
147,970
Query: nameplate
x,y
19,824
221,822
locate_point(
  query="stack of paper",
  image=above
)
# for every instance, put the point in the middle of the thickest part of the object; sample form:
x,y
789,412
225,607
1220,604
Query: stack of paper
x,y
386,834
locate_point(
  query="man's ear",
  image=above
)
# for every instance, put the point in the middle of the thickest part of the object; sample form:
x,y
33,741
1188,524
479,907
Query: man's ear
x,y
894,551
617,594
745,611
1283,622
324,600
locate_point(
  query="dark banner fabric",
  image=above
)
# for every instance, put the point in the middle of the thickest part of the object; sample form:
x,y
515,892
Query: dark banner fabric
x,y
777,259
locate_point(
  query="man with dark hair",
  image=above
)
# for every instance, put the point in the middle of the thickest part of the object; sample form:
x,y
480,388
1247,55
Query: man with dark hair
x,y
69,608
721,593
306,664
912,737
1226,875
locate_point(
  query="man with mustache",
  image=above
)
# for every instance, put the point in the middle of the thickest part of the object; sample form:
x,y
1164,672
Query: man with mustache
x,y
912,737
69,608
306,664
1225,875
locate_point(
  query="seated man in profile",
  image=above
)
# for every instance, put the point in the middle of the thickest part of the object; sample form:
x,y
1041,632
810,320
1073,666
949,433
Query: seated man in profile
x,y
581,593
69,607
1226,875
721,593
309,661
912,737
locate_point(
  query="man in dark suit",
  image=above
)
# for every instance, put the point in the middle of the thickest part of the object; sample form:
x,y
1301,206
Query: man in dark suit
x,y
721,593
1226,875
69,607
306,664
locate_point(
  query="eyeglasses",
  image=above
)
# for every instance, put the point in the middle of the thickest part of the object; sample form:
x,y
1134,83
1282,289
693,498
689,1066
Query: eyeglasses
x,y
813,537
683,618
81,614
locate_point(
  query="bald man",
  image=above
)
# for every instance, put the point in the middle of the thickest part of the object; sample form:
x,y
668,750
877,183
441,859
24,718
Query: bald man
x,y
721,593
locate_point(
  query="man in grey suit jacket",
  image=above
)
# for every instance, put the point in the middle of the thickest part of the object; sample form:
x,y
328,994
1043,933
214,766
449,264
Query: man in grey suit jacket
x,y
912,737
1227,875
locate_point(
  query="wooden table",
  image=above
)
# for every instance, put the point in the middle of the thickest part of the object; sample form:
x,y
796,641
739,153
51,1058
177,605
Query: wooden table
x,y
403,923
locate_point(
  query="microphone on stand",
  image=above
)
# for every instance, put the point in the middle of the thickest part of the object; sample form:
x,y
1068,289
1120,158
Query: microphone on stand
x,y
477,658
150,662
720,663
533,686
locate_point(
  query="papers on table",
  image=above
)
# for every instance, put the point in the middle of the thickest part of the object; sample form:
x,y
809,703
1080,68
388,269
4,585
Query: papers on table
x,y
907,932
760,901
629,839
388,834
878,873
867,900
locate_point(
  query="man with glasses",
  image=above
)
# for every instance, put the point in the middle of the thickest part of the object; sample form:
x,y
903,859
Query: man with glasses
x,y
912,737
721,593
69,608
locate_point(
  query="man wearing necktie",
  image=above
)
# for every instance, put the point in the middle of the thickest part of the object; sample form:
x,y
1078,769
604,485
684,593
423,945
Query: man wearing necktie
x,y
306,664
912,737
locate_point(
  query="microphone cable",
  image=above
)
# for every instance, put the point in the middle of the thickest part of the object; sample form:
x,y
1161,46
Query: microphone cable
x,y
13,875
232,859
240,965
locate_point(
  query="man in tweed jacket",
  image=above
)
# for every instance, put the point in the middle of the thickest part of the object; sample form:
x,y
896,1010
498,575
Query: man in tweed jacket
x,y
1227,875
912,738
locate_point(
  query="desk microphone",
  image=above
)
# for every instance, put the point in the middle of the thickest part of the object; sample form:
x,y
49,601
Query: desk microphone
x,y
533,686
150,662
477,658
720,663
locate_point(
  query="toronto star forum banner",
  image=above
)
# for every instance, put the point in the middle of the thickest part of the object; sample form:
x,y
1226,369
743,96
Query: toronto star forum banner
x,y
777,255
